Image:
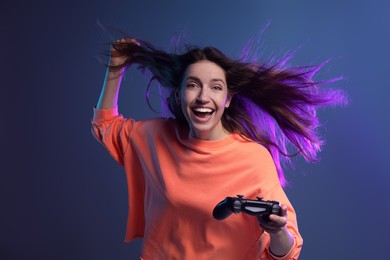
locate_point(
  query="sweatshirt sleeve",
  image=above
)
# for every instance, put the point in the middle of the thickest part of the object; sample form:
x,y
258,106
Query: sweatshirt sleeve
x,y
113,131
277,193
274,191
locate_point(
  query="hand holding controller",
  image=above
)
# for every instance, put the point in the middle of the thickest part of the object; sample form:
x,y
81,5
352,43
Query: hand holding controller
x,y
238,204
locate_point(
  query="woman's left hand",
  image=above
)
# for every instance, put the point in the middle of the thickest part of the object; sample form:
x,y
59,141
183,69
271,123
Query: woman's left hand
x,y
274,223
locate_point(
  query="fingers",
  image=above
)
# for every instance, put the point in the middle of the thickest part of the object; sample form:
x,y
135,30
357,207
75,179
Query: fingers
x,y
135,42
277,221
274,223
119,42
119,54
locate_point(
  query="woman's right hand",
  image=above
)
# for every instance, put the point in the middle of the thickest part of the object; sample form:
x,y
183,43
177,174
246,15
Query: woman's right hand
x,y
116,57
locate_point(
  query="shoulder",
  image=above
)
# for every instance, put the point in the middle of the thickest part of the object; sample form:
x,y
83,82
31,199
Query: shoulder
x,y
156,122
256,154
249,146
155,125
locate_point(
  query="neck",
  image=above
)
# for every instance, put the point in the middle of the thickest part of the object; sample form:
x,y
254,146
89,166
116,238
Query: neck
x,y
206,136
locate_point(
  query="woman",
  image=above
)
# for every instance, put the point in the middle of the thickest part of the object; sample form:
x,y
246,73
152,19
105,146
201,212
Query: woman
x,y
231,122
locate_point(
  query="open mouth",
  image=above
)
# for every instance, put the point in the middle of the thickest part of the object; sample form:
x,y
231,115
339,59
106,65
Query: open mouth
x,y
202,112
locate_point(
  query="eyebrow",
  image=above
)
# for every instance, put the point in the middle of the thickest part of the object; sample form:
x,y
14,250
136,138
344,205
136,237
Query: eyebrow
x,y
197,79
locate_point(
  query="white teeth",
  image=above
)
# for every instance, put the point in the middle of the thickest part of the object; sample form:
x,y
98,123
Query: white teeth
x,y
203,110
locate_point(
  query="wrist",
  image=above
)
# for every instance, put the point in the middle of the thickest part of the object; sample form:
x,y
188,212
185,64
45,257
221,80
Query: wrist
x,y
281,242
114,74
116,65
283,231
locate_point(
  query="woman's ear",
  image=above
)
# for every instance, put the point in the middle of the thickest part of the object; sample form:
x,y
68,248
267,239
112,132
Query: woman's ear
x,y
228,100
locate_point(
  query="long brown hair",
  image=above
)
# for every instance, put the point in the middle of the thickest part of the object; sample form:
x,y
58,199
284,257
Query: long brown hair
x,y
271,105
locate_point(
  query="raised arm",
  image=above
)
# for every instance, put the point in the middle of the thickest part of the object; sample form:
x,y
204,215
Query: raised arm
x,y
112,81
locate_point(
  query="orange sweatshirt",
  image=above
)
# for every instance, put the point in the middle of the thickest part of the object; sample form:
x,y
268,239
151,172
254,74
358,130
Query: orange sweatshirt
x,y
175,182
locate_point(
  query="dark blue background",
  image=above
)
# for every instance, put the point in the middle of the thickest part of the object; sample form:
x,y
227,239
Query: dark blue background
x,y
63,197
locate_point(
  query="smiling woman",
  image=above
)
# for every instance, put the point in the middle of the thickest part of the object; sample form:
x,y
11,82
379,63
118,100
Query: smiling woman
x,y
204,97
231,123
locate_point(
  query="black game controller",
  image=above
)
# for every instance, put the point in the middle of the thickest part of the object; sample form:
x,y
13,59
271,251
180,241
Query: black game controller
x,y
238,204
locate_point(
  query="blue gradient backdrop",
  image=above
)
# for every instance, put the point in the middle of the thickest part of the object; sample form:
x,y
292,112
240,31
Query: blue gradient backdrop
x,y
63,197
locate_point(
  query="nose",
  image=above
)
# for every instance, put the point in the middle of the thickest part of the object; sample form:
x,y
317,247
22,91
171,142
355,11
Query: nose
x,y
203,96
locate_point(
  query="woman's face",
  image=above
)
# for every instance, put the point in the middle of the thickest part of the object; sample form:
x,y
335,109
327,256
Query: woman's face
x,y
204,97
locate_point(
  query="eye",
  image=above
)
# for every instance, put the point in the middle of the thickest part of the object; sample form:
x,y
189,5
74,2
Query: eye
x,y
217,87
191,85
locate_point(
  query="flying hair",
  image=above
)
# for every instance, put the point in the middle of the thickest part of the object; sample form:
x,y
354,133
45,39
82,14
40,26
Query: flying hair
x,y
273,105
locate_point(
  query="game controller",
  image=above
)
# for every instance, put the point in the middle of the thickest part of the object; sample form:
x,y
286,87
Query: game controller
x,y
238,204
